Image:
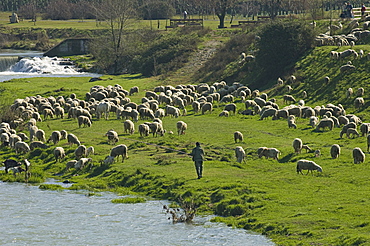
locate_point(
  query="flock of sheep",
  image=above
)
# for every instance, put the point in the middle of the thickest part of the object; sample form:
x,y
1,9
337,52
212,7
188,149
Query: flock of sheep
x,y
168,101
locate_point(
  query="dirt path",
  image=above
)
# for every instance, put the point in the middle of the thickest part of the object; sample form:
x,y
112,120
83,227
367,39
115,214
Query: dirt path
x,y
196,61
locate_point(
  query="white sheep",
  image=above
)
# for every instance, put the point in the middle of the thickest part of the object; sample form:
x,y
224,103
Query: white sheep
x,y
207,107
40,135
55,137
181,127
108,160
307,165
359,102
112,136
59,153
313,121
81,151
81,163
90,151
297,145
120,150
325,123
352,131
224,113
72,139
129,127
84,120
144,130
358,155
21,147
238,136
268,153
239,154
335,151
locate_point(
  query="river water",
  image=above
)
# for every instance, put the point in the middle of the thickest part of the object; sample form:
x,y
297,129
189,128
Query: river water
x,y
16,64
31,216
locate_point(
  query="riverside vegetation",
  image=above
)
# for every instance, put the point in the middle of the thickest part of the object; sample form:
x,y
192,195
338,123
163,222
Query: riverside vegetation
x,y
263,195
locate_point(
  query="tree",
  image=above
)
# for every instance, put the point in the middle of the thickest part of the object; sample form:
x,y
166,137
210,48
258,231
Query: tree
x,y
220,8
117,14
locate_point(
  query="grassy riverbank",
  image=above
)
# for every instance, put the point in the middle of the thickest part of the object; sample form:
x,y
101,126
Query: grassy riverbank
x,y
266,196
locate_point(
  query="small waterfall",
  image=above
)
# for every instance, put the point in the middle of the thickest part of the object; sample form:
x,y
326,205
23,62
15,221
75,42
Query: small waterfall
x,y
7,61
43,65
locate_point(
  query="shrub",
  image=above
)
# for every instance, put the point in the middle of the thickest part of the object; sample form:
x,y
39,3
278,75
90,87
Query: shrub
x,y
291,41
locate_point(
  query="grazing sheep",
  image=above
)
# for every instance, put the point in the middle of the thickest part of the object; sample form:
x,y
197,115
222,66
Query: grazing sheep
x,y
347,67
144,130
59,154
16,170
358,155
291,122
343,120
268,153
70,164
48,113
84,120
54,137
80,151
90,151
281,113
360,92
317,153
207,107
352,131
345,127
364,129
269,112
103,108
119,150
23,136
359,102
181,127
72,139
307,165
196,107
308,149
129,127
133,90
9,163
326,79
325,123
108,160
155,127
81,163
349,92
297,145
40,135
63,134
38,144
224,113
288,98
239,154
112,136
230,107
313,121
21,147
238,136
335,151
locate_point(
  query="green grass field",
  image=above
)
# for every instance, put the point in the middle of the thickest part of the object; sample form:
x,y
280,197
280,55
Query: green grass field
x,y
263,195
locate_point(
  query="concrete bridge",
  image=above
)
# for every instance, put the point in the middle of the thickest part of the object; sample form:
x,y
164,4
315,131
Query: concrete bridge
x,y
69,47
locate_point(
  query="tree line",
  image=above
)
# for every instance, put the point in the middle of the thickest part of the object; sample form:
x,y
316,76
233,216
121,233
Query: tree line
x,y
162,9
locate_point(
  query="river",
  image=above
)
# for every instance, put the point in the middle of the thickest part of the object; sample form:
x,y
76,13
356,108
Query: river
x,y
31,216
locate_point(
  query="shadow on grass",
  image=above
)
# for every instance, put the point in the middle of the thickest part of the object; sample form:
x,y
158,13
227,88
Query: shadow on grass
x,y
286,158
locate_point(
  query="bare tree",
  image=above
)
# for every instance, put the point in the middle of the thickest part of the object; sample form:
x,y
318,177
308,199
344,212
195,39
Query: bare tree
x,y
221,7
117,14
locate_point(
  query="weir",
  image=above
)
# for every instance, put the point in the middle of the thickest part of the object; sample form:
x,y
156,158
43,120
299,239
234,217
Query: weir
x,y
7,61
